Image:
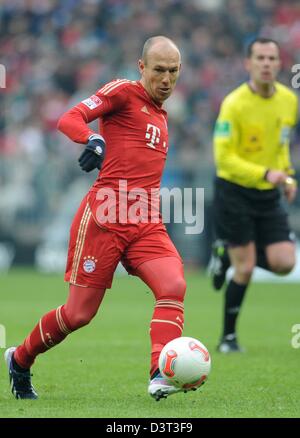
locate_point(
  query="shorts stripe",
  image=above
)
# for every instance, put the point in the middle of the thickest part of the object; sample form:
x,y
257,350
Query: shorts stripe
x,y
83,218
80,242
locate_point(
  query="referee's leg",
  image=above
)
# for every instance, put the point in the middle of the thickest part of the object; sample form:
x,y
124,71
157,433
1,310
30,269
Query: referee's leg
x,y
243,259
281,257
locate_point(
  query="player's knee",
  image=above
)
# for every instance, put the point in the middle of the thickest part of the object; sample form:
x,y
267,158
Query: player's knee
x,y
80,320
175,288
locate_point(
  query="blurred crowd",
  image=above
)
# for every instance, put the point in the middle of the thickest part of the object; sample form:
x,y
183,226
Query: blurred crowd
x,y
58,52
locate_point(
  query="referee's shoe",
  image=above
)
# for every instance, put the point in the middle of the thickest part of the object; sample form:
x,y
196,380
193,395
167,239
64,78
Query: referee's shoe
x,y
219,264
229,344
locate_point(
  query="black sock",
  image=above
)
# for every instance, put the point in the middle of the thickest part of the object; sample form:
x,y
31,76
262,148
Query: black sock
x,y
234,296
261,259
17,367
155,373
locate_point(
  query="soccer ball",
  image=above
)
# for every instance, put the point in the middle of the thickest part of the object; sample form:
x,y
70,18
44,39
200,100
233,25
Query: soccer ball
x,y
185,362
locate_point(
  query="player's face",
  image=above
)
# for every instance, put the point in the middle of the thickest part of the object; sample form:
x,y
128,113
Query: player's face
x,y
160,73
264,63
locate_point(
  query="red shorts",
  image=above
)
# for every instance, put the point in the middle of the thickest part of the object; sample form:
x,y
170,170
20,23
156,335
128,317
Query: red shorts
x,y
94,251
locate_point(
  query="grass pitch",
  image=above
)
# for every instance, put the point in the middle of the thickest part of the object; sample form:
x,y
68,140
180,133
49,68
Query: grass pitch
x,y
102,370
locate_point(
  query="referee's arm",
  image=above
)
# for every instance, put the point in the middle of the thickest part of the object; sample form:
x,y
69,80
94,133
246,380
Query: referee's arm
x,y
284,159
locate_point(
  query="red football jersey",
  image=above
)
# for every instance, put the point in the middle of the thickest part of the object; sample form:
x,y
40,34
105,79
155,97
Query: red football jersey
x,y
135,131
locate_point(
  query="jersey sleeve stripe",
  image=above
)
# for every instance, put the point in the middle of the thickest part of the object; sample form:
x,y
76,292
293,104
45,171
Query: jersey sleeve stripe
x,y
111,84
109,90
112,87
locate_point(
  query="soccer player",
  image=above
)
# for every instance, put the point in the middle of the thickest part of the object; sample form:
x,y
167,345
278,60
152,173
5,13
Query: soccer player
x,y
251,144
130,149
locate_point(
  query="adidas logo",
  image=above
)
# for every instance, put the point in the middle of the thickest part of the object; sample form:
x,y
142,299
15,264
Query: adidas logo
x,y
145,110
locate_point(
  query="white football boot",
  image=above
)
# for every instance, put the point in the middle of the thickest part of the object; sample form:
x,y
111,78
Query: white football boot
x,y
159,387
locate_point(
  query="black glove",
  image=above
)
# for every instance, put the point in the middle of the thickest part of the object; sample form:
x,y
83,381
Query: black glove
x,y
93,154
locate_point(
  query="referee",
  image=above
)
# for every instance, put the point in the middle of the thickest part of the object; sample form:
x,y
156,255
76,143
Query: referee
x,y
254,174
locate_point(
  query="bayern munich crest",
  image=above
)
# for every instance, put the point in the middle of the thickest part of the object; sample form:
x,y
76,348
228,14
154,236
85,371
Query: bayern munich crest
x,y
89,264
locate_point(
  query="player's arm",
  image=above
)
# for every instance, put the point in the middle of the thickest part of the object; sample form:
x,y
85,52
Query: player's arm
x,y
226,140
74,124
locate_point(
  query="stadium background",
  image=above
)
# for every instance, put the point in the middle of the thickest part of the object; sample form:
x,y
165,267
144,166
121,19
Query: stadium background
x,y
56,53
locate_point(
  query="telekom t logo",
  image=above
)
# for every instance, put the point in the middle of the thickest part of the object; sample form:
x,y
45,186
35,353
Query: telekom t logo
x,y
152,134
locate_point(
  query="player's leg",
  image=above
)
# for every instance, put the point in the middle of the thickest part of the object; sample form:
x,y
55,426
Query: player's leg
x,y
92,259
154,258
81,306
164,276
52,329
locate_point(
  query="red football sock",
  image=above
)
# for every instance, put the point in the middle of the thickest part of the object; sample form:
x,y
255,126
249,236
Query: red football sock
x,y
166,324
165,278
50,331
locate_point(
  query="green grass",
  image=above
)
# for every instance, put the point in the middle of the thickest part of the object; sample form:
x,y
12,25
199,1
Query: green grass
x,y
102,370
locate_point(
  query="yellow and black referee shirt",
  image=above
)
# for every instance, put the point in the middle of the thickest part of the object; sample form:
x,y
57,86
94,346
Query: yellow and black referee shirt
x,y
252,134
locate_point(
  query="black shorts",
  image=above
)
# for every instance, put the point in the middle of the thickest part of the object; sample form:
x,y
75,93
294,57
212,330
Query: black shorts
x,y
242,215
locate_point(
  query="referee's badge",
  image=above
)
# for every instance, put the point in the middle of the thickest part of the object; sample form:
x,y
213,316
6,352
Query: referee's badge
x,y
89,264
222,129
